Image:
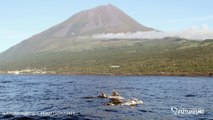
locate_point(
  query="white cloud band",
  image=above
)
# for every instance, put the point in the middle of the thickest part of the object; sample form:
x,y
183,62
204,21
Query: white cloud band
x,y
193,33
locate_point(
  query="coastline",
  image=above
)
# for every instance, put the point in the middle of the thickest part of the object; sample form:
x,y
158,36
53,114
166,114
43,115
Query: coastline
x,y
123,74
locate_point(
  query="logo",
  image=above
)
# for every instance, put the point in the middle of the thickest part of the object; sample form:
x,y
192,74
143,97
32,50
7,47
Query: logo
x,y
187,111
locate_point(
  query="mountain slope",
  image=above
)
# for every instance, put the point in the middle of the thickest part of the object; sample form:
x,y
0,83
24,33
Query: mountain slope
x,y
62,37
167,56
102,19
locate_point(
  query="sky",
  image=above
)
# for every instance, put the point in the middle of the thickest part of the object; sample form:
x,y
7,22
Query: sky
x,y
21,19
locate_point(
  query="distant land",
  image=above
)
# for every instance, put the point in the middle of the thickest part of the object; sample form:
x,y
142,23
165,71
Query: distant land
x,y
69,48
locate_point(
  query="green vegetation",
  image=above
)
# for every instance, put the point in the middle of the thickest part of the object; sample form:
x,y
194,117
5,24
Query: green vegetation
x,y
170,56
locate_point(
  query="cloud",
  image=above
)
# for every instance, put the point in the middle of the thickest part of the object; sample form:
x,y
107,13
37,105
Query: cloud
x,y
194,33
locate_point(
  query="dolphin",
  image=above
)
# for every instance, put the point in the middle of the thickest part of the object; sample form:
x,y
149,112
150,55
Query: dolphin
x,y
116,99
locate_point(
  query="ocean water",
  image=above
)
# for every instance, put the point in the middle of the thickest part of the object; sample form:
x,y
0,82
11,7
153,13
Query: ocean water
x,y
50,97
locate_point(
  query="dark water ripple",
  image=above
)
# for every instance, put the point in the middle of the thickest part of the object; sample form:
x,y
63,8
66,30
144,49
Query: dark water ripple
x,y
76,95
52,117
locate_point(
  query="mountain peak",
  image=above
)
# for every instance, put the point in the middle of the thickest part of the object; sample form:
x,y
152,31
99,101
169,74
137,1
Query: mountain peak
x,y
107,6
101,7
101,19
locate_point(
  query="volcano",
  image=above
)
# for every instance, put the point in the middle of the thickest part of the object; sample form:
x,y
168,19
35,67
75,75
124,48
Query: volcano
x,y
74,34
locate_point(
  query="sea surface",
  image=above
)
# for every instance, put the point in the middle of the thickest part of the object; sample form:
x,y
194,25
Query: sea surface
x,y
50,97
